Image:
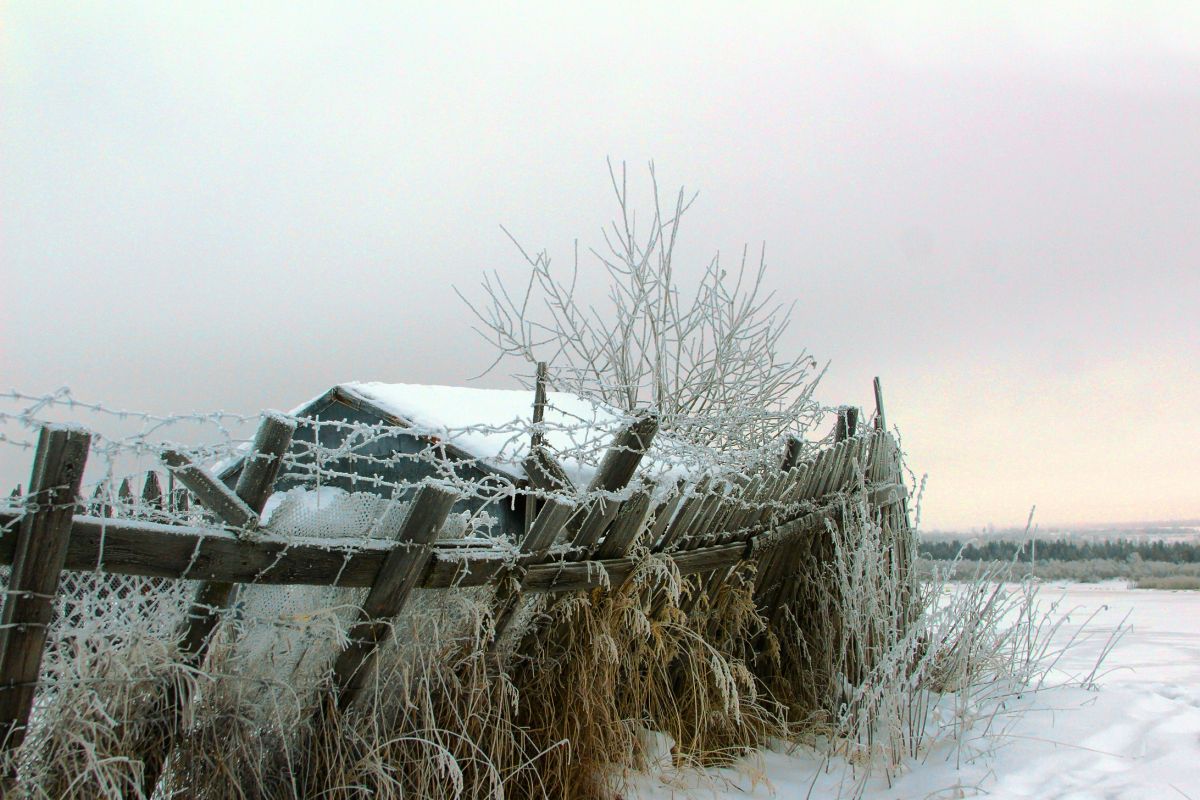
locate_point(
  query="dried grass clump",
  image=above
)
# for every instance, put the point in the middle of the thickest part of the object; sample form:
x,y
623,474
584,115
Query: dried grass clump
x,y
604,666
98,713
449,717
560,709
846,602
435,722
440,726
877,666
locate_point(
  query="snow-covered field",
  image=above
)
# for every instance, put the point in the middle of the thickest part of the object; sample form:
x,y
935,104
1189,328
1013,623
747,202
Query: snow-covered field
x,y
1137,736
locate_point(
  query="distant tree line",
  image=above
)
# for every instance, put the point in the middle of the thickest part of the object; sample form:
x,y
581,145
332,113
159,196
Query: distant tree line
x,y
1062,550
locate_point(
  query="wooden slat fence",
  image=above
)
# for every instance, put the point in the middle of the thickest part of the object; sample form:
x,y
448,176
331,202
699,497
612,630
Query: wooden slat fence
x,y
706,528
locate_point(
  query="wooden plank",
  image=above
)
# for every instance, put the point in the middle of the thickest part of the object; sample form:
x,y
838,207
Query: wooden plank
x,y
210,492
616,469
815,474
854,464
836,466
844,481
546,474
40,550
880,416
775,495
399,574
545,529
685,517
152,492
726,514
772,560
663,515
708,531
799,478
737,508
748,507
779,501
239,507
744,525
596,519
690,533
880,457
624,454
629,523
254,486
549,520
701,526
841,430
156,550
128,547
257,480
832,467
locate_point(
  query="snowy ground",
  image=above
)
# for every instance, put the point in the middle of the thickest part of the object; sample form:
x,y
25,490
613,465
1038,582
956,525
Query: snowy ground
x,y
1138,736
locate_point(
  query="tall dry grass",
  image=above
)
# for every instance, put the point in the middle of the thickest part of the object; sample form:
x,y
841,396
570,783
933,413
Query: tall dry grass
x,y
854,653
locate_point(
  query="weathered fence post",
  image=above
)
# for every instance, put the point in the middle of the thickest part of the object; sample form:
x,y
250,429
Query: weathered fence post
x,y
398,576
240,508
628,525
793,453
125,498
537,541
851,421
41,550
880,418
617,468
152,492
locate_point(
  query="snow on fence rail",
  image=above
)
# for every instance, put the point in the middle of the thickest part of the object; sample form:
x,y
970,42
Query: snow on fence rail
x,y
214,533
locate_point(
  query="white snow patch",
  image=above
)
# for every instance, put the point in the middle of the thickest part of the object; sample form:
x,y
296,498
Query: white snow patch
x,y
1136,737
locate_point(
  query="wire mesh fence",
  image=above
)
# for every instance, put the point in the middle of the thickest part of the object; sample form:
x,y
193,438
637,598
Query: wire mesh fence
x,y
225,571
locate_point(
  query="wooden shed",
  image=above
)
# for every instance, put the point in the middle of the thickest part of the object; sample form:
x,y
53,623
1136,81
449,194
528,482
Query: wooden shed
x,y
374,436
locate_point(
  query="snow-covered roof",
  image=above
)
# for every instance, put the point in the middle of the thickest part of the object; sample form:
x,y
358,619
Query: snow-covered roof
x,y
493,425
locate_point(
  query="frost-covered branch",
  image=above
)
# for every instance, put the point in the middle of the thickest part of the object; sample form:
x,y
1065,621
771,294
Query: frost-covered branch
x,y
711,356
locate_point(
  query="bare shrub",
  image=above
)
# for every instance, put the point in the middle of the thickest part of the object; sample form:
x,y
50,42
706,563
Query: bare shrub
x,y
707,360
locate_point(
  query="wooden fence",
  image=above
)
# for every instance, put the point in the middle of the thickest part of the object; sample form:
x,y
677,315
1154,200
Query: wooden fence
x,y
706,529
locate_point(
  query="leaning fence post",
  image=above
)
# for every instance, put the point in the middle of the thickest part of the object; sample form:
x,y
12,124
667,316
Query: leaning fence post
x,y
550,520
240,508
398,575
617,468
41,550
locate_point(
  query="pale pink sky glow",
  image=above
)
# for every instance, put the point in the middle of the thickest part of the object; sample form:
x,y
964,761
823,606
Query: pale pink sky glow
x,y
996,209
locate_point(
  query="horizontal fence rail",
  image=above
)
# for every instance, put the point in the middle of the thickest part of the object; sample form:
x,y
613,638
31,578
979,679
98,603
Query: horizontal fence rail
x,y
158,550
210,530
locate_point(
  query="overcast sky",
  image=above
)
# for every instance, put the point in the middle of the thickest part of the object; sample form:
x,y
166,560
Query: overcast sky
x,y
237,205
